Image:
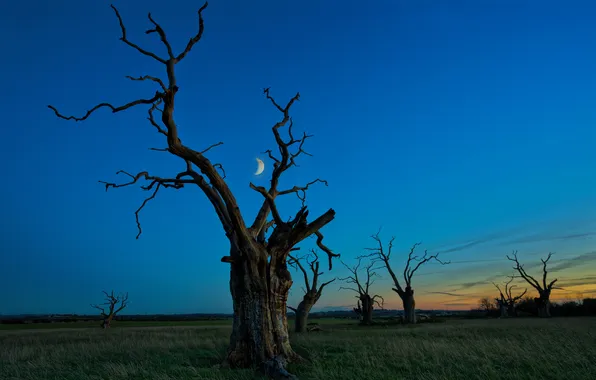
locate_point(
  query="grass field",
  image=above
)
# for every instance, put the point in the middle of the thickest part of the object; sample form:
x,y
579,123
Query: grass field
x,y
559,348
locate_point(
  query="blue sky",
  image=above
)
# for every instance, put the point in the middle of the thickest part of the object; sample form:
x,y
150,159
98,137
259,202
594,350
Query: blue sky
x,y
442,122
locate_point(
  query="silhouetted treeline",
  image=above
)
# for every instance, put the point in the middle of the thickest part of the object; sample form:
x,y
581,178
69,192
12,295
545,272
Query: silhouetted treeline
x,y
527,307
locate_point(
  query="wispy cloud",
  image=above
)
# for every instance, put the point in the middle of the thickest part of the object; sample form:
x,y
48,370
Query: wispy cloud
x,y
451,262
471,284
574,261
450,294
446,294
547,237
589,280
473,243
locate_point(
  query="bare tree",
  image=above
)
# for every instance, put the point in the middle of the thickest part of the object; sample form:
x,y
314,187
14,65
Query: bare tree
x,y
502,304
486,304
259,277
312,291
544,289
366,302
507,302
413,263
114,304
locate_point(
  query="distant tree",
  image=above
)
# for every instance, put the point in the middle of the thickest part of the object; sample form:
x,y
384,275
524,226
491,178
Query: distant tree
x,y
502,305
379,254
527,305
366,302
259,277
589,306
114,304
312,292
486,304
544,289
506,301
566,309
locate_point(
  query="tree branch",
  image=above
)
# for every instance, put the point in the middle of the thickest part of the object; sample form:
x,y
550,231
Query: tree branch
x,y
158,95
324,248
426,258
162,36
148,77
197,37
281,164
294,261
520,269
126,41
379,254
374,299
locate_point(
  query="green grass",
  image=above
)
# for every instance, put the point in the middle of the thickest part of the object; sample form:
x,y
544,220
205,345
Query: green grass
x,y
559,348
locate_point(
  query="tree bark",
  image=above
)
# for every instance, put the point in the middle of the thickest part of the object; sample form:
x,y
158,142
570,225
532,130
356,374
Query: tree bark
x,y
106,322
260,328
503,310
407,298
302,312
543,304
512,310
367,309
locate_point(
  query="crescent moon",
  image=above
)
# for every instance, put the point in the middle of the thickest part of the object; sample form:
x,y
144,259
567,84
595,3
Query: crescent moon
x,y
260,166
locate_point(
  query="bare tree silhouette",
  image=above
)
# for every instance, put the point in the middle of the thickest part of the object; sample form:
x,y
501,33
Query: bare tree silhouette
x,y
259,277
486,304
413,263
312,290
114,304
544,289
366,302
507,302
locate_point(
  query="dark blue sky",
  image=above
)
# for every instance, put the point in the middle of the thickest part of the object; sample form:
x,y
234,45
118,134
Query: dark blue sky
x,y
443,122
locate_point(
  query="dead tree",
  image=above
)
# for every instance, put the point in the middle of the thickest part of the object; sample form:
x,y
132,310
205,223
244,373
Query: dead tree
x,y
379,254
486,304
544,289
114,304
312,292
259,277
507,302
502,303
366,302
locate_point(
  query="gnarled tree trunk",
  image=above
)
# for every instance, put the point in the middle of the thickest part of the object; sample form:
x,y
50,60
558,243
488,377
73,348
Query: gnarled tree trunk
x,y
407,297
302,312
260,328
543,304
367,307
502,308
106,323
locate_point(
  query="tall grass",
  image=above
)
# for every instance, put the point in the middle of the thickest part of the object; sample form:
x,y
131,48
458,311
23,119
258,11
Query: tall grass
x,y
486,349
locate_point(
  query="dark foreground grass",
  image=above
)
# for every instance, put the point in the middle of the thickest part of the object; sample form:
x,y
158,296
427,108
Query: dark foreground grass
x,y
485,349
